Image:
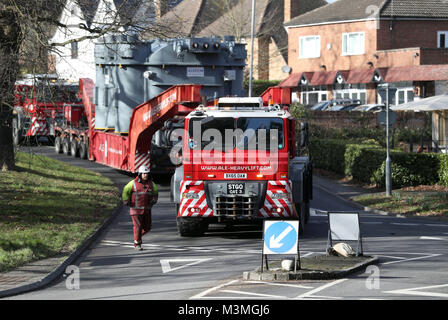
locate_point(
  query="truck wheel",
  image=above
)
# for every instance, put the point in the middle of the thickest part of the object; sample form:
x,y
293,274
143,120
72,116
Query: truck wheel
x,y
300,208
58,145
66,146
83,150
191,227
307,212
74,150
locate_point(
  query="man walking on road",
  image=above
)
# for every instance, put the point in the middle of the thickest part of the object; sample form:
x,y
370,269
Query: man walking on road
x,y
140,194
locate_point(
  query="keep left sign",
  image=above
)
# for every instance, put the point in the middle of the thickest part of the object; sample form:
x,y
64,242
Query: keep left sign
x,y
281,237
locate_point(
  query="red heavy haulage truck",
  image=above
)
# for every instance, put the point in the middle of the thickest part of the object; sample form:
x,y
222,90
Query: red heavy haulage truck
x,y
234,159
218,179
39,105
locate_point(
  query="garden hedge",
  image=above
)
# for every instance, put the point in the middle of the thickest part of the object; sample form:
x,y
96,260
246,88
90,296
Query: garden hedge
x,y
366,163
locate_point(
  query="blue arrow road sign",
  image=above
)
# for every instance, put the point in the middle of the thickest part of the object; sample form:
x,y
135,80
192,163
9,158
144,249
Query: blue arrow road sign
x,y
280,237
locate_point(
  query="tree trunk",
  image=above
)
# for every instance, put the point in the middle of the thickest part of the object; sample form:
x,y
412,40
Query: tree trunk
x,y
10,42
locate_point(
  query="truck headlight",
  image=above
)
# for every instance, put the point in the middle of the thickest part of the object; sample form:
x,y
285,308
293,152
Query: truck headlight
x,y
190,195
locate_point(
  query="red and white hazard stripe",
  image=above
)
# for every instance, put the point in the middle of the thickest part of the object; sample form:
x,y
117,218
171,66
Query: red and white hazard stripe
x,y
196,207
141,159
38,127
272,204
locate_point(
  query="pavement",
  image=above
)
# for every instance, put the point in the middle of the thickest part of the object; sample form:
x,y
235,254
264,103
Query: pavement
x,y
39,274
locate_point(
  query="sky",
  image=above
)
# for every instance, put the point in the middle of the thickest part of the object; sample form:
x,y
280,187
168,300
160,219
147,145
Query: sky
x,y
330,1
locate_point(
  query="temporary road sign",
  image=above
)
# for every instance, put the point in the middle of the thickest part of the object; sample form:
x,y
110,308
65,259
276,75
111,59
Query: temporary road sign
x,y
281,237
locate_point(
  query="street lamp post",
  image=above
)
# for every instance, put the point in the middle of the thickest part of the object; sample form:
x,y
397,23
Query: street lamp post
x,y
386,92
388,162
252,48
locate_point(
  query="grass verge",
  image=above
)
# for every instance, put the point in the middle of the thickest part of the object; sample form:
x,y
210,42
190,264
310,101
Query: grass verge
x,y
424,201
48,208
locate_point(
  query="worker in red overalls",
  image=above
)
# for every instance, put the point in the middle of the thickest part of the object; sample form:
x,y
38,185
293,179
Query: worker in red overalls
x,y
140,194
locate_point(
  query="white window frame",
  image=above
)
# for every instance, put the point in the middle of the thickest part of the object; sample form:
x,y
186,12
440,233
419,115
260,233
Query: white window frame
x,y
345,37
445,45
315,54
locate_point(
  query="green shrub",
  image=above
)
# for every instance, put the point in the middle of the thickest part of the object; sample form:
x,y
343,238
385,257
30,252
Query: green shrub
x,y
366,163
443,171
259,86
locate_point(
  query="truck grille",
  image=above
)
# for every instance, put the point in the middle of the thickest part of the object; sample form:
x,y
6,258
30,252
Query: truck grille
x,y
236,206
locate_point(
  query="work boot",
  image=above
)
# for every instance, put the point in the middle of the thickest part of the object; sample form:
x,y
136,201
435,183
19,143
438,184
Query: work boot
x,y
138,246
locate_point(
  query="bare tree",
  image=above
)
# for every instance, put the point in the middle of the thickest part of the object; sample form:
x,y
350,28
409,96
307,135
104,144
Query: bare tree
x,y
28,24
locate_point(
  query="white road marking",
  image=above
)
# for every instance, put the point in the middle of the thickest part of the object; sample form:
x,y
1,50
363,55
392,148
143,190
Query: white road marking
x,y
405,224
309,294
280,284
436,225
166,267
431,238
206,292
412,259
417,292
253,294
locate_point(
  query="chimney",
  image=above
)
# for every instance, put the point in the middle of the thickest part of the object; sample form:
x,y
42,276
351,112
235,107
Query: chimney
x,y
291,9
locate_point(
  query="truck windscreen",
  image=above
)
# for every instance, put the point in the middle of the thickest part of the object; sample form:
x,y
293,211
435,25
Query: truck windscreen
x,y
243,133
47,94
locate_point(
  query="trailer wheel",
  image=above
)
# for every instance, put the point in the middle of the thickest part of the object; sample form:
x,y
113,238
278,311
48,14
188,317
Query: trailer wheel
x,y
191,227
74,150
83,150
66,146
58,145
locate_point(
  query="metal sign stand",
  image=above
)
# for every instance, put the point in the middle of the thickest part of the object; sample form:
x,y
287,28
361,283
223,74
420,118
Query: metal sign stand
x,y
264,257
359,239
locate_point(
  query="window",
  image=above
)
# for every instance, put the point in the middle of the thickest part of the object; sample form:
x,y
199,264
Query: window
x,y
353,43
309,47
442,39
74,50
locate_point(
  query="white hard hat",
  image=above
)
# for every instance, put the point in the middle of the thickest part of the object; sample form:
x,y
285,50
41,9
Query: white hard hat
x,y
143,169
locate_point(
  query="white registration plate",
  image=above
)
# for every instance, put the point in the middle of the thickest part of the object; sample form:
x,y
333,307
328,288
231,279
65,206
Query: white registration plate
x,y
235,175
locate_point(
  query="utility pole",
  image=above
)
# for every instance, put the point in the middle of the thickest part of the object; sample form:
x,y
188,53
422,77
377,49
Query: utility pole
x,y
252,48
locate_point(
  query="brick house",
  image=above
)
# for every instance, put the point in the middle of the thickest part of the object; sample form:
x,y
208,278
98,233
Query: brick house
x,y
346,48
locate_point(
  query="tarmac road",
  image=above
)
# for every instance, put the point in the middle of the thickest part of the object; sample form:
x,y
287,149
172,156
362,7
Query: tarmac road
x,y
412,252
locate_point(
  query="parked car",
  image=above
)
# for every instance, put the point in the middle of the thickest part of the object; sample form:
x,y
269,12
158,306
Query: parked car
x,y
370,107
345,105
321,106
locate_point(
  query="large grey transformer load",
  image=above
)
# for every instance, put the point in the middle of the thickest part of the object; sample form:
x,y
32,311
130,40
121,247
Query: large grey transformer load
x,y
130,72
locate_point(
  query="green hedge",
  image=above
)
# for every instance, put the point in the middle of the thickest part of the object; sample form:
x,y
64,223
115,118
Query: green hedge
x,y
259,86
366,163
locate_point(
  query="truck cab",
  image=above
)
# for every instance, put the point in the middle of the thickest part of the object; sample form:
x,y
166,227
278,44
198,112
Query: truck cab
x,y
236,165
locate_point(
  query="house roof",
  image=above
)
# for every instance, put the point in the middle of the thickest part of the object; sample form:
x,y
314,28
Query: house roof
x,y
341,10
416,8
88,9
352,10
291,82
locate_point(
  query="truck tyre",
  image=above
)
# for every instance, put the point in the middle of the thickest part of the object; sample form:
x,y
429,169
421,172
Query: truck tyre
x,y
74,150
58,145
307,212
66,146
301,208
83,150
191,227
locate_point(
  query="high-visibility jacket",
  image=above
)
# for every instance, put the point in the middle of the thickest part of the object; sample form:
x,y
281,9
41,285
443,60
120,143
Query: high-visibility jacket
x,y
141,196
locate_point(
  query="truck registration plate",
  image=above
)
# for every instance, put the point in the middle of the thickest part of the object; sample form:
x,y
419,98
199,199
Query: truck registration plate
x,y
235,175
235,188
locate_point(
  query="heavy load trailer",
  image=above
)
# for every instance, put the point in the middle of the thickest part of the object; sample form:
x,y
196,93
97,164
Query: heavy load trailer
x,y
39,101
130,72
